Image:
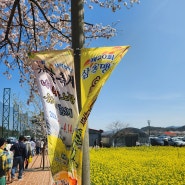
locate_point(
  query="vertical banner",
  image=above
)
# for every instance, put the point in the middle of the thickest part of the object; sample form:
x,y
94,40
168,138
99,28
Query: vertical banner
x,y
54,71
96,66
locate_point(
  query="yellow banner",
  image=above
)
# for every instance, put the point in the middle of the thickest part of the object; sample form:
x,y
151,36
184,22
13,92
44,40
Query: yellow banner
x,y
55,75
96,66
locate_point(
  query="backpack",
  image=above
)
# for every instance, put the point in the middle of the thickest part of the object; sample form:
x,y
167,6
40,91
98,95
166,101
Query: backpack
x,y
2,164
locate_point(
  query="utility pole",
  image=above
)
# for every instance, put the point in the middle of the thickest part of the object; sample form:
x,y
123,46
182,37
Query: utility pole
x,y
77,21
149,131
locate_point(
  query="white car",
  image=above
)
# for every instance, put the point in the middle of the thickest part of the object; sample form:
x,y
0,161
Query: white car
x,y
175,141
12,140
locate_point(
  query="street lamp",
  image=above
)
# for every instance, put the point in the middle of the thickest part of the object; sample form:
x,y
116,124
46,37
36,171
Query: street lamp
x,y
149,130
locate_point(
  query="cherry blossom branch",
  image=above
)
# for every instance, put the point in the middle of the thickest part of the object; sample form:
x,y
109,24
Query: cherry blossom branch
x,y
35,39
47,20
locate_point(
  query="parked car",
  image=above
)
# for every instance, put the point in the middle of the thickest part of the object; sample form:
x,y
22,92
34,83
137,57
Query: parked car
x,y
175,141
12,140
156,141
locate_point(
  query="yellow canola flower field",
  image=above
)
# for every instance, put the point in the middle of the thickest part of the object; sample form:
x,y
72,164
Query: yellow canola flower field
x,y
145,165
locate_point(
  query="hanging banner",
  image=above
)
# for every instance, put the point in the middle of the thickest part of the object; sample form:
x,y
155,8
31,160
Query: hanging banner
x,y
96,66
54,71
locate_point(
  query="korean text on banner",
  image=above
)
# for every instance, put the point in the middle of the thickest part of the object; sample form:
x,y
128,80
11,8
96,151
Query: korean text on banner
x,y
54,71
96,66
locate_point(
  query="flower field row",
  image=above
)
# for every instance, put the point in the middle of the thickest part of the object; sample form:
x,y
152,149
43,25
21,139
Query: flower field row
x,y
138,166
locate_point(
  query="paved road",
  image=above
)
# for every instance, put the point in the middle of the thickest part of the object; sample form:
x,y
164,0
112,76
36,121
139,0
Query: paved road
x,y
35,174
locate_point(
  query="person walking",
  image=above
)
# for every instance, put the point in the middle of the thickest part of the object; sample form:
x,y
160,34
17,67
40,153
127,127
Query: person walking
x,y
5,162
28,149
10,160
42,146
20,154
96,143
33,145
38,147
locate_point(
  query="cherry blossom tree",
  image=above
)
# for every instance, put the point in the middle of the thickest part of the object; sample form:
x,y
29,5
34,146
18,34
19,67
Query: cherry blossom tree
x,y
35,25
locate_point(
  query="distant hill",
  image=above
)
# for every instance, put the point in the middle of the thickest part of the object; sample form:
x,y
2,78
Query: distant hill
x,y
173,127
161,130
145,130
182,128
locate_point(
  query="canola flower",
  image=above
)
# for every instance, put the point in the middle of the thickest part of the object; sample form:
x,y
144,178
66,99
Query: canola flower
x,y
138,166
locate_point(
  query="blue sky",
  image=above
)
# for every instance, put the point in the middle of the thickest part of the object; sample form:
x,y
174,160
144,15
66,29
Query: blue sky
x,y
149,83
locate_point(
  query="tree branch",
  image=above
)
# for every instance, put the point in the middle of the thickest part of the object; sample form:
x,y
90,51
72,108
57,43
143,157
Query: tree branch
x,y
20,31
35,39
48,20
16,2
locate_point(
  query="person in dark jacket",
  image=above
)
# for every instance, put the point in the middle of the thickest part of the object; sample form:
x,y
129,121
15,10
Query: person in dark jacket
x,y
20,154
